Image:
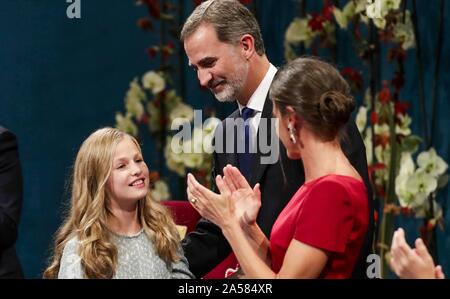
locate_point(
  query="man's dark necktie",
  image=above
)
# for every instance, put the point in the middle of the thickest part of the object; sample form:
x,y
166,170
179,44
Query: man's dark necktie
x,y
246,157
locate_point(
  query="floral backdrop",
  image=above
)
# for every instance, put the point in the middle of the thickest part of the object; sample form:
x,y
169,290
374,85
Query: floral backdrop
x,y
405,170
401,185
66,78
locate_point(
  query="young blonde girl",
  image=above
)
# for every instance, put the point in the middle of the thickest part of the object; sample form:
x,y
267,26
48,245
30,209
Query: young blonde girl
x,y
114,228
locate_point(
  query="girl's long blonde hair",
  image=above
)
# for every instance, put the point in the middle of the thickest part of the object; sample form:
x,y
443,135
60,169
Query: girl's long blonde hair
x,y
88,216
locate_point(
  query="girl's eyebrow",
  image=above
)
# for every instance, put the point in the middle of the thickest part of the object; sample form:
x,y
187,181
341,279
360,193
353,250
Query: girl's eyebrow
x,y
124,159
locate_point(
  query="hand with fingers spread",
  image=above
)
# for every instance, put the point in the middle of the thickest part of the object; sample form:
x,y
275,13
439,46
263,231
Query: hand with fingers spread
x,y
247,201
217,208
411,263
237,200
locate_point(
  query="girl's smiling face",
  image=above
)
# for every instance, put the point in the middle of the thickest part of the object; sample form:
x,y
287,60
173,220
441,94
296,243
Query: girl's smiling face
x,y
129,179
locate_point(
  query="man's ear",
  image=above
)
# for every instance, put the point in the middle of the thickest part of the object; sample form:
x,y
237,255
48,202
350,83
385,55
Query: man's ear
x,y
248,46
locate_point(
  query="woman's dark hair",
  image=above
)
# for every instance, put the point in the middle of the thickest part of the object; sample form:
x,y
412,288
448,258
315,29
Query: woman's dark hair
x,y
318,94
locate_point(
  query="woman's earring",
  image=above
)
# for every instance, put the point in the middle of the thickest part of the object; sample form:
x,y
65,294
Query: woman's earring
x,y
292,133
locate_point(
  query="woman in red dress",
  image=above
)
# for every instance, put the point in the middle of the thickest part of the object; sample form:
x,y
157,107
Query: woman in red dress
x,y
321,231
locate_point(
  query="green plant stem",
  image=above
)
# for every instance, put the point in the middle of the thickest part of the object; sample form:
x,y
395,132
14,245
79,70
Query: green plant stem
x,y
393,163
388,219
381,245
386,231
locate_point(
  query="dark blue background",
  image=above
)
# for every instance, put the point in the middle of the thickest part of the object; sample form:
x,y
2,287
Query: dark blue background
x,y
61,79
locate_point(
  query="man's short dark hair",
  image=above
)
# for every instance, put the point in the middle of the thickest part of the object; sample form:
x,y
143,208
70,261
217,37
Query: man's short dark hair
x,y
231,20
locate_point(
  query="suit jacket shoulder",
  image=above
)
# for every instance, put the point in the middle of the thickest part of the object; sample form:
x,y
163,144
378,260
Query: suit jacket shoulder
x,y
10,204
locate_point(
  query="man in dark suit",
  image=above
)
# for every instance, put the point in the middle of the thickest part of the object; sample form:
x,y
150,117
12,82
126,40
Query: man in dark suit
x,y
223,42
10,204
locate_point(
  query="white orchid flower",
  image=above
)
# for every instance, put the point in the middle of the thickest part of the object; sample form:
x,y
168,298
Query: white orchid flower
x,y
192,156
421,185
413,190
299,31
368,144
360,5
361,119
404,32
134,107
407,166
404,195
181,114
383,155
193,160
407,169
126,124
135,91
379,9
404,127
343,16
341,19
431,163
174,158
153,81
382,129
391,4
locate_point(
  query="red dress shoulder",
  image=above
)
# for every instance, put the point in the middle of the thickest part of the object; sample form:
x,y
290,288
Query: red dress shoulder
x,y
329,213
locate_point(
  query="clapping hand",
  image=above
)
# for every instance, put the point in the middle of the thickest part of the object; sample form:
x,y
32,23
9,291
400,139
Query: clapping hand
x,y
412,263
247,201
236,201
214,207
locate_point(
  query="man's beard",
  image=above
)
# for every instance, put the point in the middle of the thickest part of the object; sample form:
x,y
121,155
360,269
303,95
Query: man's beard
x,y
232,87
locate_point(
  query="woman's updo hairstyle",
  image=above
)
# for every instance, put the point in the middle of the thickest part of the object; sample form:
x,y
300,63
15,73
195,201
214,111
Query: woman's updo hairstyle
x,y
318,94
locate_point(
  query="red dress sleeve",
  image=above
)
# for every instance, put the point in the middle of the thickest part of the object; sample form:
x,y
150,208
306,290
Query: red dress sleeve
x,y
325,217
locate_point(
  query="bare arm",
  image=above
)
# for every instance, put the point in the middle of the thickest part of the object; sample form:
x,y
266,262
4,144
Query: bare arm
x,y
258,242
301,260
